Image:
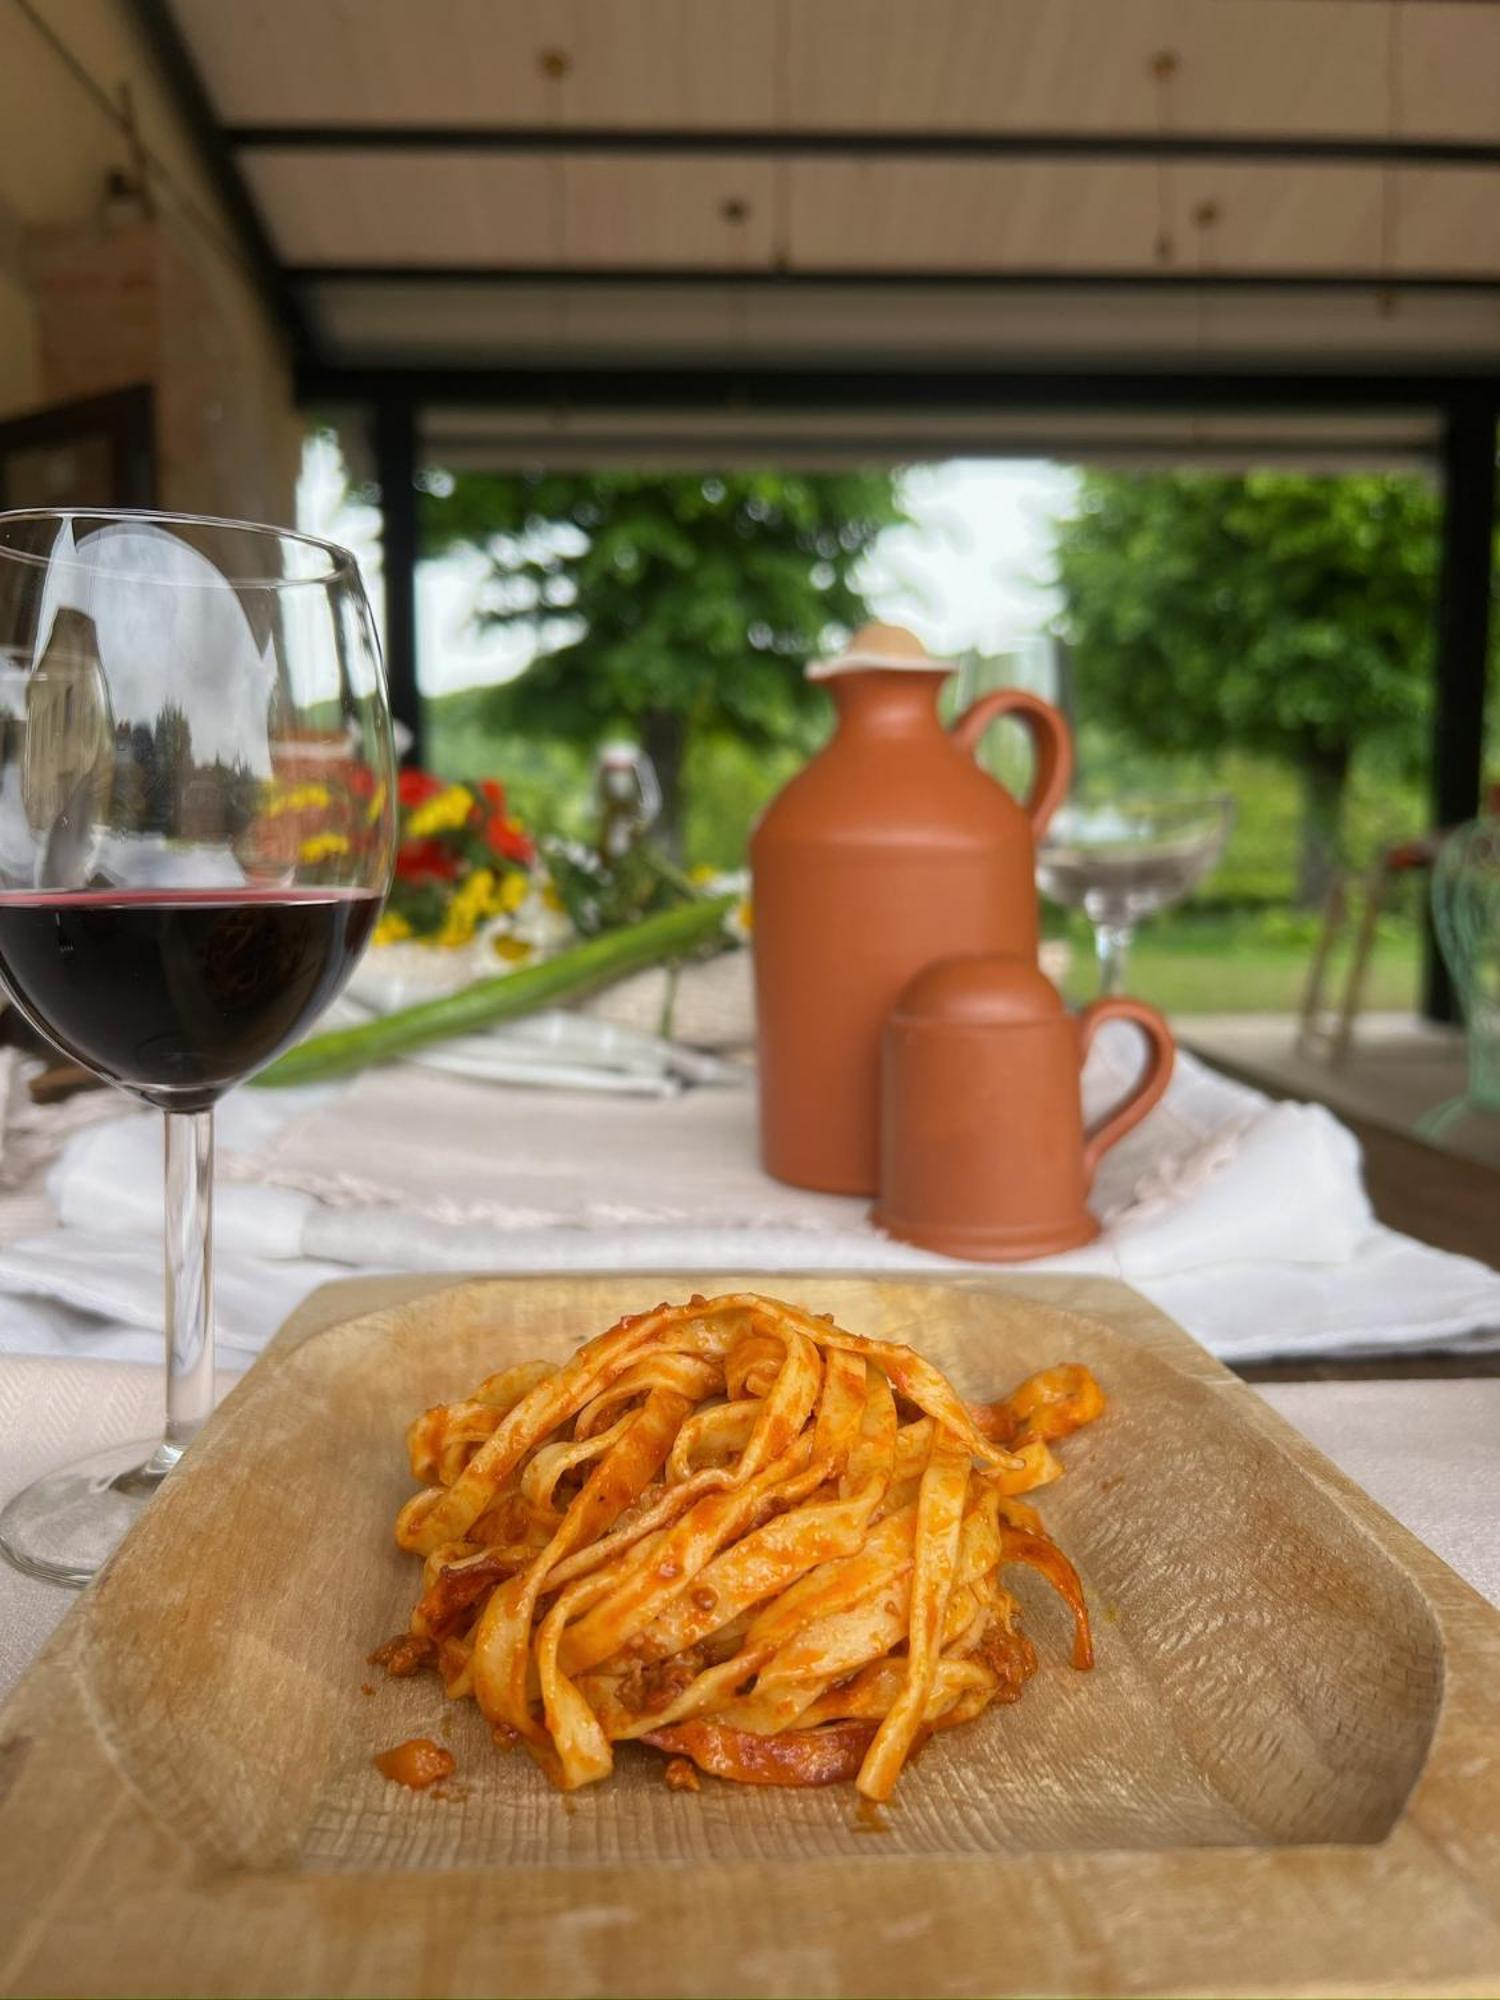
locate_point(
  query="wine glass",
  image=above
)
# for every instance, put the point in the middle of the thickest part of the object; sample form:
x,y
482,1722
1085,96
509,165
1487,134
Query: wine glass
x,y
196,835
1121,860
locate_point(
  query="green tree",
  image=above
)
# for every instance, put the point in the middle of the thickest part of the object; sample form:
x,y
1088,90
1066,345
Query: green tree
x,y
670,607
1275,613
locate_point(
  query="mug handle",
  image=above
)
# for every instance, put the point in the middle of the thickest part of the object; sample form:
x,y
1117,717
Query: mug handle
x,y
1050,736
1162,1052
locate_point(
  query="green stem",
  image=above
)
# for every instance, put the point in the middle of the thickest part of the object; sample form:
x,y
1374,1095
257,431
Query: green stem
x,y
667,871
581,969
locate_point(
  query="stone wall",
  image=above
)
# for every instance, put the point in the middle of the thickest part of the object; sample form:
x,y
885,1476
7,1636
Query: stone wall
x,y
102,290
132,301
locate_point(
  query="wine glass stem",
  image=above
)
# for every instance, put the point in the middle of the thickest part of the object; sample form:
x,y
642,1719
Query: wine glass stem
x,y
1112,943
190,1282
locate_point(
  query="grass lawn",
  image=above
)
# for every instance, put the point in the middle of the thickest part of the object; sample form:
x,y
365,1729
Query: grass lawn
x,y
1224,964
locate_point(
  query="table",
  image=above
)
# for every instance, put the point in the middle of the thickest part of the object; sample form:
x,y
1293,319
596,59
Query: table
x,y
1440,1198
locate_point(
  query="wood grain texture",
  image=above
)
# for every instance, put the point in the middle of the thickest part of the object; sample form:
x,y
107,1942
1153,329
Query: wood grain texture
x,y
1247,66
1283,1777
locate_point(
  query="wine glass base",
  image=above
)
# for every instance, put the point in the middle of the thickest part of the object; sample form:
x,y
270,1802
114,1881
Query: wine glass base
x,y
65,1526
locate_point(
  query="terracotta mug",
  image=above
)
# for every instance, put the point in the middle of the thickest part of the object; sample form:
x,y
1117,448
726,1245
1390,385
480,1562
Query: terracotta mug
x,y
983,1151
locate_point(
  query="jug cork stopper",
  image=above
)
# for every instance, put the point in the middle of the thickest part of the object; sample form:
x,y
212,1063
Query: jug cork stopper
x,y
878,645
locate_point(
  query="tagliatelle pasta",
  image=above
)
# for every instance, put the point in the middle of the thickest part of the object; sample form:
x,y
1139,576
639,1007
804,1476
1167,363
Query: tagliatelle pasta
x,y
733,1531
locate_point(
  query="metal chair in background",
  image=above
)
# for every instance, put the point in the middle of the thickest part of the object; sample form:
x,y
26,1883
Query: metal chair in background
x,y
1360,900
1466,914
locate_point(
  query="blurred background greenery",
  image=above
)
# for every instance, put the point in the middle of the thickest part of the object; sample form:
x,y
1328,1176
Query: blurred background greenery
x,y
1266,635
1237,947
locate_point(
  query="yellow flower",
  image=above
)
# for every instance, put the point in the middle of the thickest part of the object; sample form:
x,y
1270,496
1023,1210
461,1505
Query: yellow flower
x,y
513,892
392,928
444,814
471,902
377,804
702,875
458,928
512,950
551,898
300,797
321,846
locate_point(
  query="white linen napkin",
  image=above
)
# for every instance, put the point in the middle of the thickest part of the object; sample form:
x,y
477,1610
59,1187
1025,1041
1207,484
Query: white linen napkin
x,y
1215,1171
1244,1220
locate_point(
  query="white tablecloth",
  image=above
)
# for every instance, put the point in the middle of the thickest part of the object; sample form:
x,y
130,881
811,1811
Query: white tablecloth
x,y
1429,1451
1245,1221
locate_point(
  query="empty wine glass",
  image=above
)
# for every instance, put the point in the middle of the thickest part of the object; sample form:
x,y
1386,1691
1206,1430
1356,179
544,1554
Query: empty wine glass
x,y
1121,860
196,834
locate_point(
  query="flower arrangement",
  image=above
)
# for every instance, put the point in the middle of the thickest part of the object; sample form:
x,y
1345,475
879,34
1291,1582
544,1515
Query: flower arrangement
x,y
465,865
529,926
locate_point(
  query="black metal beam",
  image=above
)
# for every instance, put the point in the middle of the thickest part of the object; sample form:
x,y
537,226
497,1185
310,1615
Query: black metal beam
x,y
131,426
1463,630
871,445
743,277
924,388
395,443
802,143
158,29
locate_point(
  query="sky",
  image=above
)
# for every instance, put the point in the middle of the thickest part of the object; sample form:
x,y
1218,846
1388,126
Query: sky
x,y
187,641
972,572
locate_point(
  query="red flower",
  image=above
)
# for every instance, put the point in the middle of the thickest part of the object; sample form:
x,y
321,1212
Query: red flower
x,y
359,780
425,861
493,793
415,788
507,839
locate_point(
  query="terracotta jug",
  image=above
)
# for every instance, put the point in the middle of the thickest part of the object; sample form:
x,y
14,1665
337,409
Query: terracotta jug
x,y
983,1151
892,848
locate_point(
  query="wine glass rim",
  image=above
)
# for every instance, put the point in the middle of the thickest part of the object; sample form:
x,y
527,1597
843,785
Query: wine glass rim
x,y
340,560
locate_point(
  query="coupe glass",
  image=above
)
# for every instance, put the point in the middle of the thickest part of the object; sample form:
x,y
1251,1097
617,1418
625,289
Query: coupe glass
x,y
1121,860
196,834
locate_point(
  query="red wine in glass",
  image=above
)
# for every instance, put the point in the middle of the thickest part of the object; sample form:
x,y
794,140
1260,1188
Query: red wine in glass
x,y
196,833
175,995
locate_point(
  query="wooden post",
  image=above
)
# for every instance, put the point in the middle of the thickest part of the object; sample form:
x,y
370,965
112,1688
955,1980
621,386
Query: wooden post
x,y
1463,629
396,470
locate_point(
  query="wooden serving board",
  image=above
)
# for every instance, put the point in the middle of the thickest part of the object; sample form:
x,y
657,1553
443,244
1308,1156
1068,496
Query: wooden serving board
x,y
1283,1776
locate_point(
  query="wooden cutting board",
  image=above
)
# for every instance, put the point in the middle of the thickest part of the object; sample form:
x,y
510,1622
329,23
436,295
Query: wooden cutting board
x,y
1283,1776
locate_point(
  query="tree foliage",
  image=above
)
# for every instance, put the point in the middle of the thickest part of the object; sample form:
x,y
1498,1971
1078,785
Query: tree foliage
x,y
1278,613
666,606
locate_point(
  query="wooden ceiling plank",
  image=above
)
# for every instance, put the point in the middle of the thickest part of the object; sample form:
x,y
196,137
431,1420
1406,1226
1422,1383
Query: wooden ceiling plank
x,y
444,208
518,212
1448,71
630,62
1275,66
1272,67
1068,216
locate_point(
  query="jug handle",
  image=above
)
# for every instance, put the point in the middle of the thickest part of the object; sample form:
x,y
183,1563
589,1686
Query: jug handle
x,y
1050,738
1161,1054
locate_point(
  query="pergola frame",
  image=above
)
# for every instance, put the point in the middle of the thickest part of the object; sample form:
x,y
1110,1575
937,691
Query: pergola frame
x,y
1466,403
